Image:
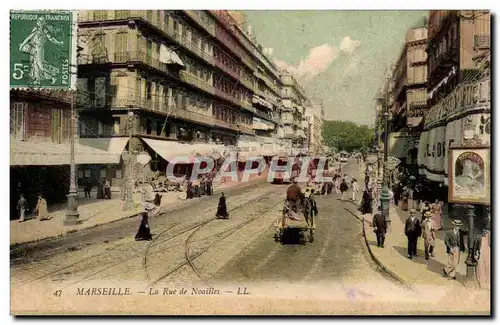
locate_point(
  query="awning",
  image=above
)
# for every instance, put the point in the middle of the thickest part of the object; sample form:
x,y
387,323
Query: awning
x,y
49,154
113,145
168,150
169,56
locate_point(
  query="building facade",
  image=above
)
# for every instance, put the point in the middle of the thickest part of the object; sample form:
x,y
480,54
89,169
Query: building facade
x,y
314,117
292,112
409,95
168,77
458,42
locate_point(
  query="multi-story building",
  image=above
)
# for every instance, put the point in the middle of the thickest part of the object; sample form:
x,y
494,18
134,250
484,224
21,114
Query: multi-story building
x,y
39,148
314,117
410,96
187,76
292,112
456,37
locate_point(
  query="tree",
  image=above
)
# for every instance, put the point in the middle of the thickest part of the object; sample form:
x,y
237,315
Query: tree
x,y
349,136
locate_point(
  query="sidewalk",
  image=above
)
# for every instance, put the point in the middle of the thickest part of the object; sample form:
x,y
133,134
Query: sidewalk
x,y
92,213
393,258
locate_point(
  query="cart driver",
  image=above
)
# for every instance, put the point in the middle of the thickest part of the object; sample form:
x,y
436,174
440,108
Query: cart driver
x,y
294,196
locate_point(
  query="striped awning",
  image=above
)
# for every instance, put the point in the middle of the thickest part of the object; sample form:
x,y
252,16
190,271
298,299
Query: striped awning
x,y
30,153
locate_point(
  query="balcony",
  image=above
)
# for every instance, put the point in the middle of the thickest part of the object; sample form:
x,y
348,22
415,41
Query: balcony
x,y
194,48
196,15
247,83
187,77
417,104
481,42
227,70
130,57
247,129
203,119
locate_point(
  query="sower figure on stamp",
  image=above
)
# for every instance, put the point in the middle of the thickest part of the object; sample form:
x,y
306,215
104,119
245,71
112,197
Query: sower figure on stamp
x,y
454,241
413,230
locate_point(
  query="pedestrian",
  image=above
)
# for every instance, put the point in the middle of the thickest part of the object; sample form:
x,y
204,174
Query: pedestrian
x,y
426,207
222,208
397,193
100,189
413,231
355,189
379,227
107,189
157,200
454,241
366,201
417,197
87,188
144,232
343,189
22,206
149,193
189,190
437,212
428,234
406,199
41,209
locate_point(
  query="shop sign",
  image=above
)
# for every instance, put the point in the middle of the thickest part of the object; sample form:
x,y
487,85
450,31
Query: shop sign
x,y
43,49
464,97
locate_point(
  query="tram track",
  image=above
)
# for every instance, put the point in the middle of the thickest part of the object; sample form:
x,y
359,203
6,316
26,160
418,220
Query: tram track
x,y
219,236
77,265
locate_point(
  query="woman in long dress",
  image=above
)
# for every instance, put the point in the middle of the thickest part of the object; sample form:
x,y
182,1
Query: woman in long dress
x,y
222,208
107,189
437,213
41,209
144,232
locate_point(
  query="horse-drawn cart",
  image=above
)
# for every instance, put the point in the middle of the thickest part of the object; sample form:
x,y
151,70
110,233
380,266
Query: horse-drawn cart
x,y
300,223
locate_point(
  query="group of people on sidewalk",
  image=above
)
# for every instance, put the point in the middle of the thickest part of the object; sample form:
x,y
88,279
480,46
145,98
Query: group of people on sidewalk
x,y
424,221
203,185
41,209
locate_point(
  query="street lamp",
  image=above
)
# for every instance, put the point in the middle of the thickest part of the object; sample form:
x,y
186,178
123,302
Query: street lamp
x,y
384,195
72,214
129,204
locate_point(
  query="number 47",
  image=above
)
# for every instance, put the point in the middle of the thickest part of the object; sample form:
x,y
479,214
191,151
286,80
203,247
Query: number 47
x,y
58,293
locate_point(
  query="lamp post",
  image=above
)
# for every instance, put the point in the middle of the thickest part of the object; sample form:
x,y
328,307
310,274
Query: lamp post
x,y
129,204
384,195
72,214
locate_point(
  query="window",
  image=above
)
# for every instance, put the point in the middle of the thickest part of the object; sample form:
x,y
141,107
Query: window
x,y
148,126
56,125
18,121
116,125
165,19
121,45
148,90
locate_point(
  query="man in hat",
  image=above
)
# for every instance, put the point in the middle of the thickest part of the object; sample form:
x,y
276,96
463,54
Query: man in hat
x,y
428,234
413,230
379,227
454,241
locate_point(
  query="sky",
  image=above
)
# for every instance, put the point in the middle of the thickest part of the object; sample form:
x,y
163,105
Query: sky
x,y
338,57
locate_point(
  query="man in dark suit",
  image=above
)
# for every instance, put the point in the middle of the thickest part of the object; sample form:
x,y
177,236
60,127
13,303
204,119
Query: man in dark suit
x,y
413,230
379,227
454,241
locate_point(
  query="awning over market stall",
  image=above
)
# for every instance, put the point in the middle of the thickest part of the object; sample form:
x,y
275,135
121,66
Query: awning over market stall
x,y
168,150
113,145
49,154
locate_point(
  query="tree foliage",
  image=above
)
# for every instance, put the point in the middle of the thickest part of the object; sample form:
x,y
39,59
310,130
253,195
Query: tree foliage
x,y
349,136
